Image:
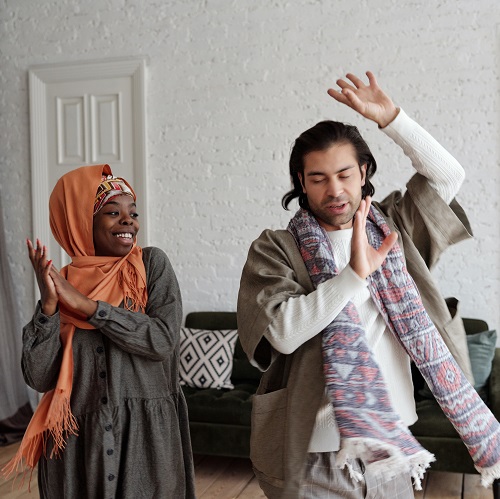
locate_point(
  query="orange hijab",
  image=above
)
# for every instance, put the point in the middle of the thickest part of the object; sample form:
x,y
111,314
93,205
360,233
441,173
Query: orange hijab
x,y
110,279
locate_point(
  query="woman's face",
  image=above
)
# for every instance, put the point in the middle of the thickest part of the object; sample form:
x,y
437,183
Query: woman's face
x,y
116,227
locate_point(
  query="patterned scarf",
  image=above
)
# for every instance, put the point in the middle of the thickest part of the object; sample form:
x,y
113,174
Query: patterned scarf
x,y
109,188
369,428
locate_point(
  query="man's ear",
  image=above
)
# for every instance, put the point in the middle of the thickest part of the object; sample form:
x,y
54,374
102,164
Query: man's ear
x,y
301,179
363,174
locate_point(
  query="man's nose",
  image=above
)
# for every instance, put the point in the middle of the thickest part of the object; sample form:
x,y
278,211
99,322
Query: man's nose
x,y
334,188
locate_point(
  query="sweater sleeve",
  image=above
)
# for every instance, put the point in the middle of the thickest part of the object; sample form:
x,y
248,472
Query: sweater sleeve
x,y
300,318
155,333
42,351
428,157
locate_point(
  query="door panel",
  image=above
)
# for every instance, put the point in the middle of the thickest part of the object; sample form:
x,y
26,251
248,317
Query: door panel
x,y
77,119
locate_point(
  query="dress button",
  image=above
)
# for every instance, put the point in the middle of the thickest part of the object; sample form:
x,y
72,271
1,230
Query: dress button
x,y
102,313
111,477
108,427
104,400
109,452
100,349
102,374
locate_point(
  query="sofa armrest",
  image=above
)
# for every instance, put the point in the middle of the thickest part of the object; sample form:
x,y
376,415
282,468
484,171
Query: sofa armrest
x,y
494,385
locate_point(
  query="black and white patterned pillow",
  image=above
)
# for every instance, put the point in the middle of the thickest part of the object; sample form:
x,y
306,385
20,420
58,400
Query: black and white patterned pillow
x,y
206,357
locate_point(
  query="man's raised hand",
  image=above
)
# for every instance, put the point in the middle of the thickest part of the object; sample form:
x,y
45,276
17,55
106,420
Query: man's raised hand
x,y
368,100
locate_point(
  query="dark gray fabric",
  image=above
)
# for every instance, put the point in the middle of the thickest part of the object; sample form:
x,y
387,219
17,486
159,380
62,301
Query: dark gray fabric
x,y
133,426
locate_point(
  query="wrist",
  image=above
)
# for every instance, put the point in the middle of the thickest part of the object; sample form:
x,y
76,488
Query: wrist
x,y
388,118
48,309
90,308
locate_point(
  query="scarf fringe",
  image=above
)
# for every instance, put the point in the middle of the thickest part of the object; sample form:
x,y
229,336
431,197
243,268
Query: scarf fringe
x,y
135,293
60,422
489,475
25,460
369,450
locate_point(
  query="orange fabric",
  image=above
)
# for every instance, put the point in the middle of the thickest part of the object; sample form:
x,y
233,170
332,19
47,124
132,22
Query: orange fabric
x,y
110,279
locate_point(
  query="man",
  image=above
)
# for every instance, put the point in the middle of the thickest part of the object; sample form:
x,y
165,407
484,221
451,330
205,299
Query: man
x,y
286,304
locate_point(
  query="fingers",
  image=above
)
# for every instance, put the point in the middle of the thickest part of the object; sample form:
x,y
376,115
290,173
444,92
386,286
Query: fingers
x,y
343,84
372,79
356,94
338,96
358,83
366,203
31,250
361,216
47,268
41,254
387,245
37,255
354,101
55,275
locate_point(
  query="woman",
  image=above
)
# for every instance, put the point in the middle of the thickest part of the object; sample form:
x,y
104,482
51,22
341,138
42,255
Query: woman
x,y
105,338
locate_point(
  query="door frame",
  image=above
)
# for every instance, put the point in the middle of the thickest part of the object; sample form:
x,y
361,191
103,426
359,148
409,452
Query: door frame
x,y
40,76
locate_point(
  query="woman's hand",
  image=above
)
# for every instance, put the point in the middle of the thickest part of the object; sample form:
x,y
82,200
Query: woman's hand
x,y
54,288
42,267
70,297
364,258
368,100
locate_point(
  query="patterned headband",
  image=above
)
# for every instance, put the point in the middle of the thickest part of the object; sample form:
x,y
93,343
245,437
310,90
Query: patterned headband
x,y
109,188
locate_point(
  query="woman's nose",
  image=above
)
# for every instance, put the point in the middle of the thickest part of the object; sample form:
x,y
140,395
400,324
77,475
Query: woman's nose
x,y
126,220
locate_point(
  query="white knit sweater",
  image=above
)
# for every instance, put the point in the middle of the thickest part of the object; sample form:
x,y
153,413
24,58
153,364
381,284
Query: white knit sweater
x,y
301,318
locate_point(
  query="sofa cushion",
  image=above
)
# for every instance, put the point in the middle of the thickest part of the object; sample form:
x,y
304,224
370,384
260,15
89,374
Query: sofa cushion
x,y
220,406
431,421
206,357
481,350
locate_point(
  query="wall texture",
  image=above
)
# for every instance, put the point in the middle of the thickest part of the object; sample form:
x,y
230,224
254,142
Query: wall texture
x,y
231,84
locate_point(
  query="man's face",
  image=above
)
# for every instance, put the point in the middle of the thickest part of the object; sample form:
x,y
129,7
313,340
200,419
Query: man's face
x,y
333,181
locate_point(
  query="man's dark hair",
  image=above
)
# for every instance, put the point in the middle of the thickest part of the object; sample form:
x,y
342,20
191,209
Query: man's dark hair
x,y
319,138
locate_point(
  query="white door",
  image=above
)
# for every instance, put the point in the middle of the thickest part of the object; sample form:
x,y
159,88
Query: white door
x,y
78,119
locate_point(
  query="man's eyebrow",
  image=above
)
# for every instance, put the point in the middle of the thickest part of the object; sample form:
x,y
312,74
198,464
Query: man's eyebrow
x,y
318,173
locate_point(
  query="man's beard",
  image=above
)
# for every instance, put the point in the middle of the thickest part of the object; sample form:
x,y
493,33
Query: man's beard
x,y
330,219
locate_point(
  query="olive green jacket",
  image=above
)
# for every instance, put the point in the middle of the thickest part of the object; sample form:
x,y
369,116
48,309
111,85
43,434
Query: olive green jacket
x,y
292,386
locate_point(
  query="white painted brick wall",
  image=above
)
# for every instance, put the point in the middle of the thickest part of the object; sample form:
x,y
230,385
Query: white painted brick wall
x,y
230,86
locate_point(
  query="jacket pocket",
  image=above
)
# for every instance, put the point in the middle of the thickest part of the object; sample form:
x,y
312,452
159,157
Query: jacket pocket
x,y
267,440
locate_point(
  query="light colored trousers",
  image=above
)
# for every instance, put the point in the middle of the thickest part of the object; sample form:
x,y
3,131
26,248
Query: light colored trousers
x,y
325,480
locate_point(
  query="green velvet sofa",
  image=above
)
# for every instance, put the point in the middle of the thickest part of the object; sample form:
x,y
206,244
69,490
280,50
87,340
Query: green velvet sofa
x,y
219,420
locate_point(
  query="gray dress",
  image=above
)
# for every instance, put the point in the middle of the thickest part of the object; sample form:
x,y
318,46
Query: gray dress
x,y
133,437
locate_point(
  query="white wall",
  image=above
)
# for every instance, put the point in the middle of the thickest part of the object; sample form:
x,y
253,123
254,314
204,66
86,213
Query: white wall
x,y
230,86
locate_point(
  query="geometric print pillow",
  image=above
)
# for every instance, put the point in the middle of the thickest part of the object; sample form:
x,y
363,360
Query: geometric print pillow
x,y
206,357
